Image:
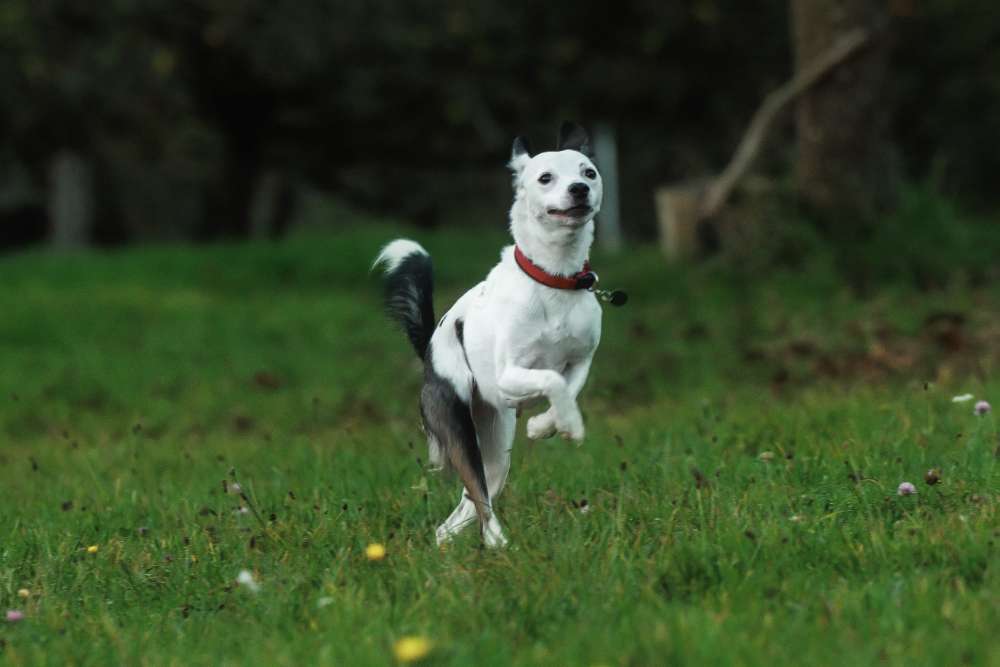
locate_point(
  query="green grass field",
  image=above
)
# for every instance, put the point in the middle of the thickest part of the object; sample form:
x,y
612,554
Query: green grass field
x,y
746,436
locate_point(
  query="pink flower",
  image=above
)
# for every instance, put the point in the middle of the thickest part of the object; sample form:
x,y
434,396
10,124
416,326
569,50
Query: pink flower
x,y
906,489
14,615
982,407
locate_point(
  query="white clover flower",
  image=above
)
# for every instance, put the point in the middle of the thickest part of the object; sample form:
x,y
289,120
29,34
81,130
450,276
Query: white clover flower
x,y
245,578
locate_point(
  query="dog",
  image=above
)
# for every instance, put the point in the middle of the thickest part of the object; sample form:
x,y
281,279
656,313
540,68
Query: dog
x,y
527,332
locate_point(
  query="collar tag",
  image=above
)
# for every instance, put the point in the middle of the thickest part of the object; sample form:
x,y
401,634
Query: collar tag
x,y
614,297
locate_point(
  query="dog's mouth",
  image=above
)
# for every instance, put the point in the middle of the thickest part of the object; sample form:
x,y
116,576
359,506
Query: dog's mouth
x,y
579,211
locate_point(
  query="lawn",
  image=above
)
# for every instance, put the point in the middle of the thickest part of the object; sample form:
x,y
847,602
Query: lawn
x,y
735,501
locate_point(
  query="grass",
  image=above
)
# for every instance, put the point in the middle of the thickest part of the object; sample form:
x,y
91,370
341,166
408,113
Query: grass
x,y
746,435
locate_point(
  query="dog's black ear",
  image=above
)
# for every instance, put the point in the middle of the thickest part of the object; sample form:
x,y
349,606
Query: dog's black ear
x,y
520,154
574,138
521,147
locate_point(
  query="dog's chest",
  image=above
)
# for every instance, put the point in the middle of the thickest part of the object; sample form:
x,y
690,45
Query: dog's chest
x,y
558,329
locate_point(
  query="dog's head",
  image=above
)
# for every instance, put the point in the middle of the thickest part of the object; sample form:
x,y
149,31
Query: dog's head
x,y
560,188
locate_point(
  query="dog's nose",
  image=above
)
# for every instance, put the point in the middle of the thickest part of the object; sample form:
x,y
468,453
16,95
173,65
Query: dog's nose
x,y
579,190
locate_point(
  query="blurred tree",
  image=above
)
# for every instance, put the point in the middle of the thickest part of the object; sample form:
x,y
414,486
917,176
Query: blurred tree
x,y
947,89
89,80
200,118
843,165
189,112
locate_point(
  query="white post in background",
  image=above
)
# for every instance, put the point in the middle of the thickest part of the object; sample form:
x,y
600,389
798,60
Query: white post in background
x,y
263,204
609,230
70,201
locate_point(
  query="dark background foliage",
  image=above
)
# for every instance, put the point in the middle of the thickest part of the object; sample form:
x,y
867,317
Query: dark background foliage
x,y
184,110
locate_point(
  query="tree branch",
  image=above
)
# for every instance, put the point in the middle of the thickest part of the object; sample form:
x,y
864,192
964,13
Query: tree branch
x,y
719,190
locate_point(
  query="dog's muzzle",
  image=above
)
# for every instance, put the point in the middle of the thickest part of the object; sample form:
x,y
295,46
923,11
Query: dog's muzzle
x,y
578,211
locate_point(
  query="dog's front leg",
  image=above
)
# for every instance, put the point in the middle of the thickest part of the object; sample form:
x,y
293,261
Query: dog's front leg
x,y
518,385
543,425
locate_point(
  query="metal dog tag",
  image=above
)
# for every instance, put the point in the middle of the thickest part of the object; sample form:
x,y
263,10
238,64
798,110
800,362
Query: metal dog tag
x,y
614,297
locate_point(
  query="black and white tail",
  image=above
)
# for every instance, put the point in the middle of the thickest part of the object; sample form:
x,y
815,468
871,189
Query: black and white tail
x,y
409,290
451,432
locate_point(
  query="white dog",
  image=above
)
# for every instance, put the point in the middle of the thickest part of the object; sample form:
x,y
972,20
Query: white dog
x,y
529,331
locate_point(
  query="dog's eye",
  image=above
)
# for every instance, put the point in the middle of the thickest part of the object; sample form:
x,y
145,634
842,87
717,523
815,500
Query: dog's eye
x,y
590,173
545,178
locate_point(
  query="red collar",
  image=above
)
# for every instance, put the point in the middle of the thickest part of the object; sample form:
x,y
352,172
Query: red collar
x,y
585,279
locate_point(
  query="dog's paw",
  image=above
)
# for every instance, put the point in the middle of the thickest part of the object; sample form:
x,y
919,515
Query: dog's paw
x,y
497,541
571,428
493,535
443,536
542,426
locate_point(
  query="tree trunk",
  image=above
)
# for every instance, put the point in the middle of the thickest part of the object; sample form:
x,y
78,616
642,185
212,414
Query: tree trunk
x,y
229,200
844,165
272,206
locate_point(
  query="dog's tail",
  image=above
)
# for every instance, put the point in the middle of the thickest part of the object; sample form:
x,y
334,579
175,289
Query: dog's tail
x,y
409,290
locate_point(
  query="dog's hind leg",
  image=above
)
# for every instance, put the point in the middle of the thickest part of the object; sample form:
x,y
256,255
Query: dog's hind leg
x,y
496,436
452,433
465,513
463,517
474,506
495,430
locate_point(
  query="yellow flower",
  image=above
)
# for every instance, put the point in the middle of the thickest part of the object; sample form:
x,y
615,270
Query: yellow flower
x,y
375,551
92,549
411,649
24,593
